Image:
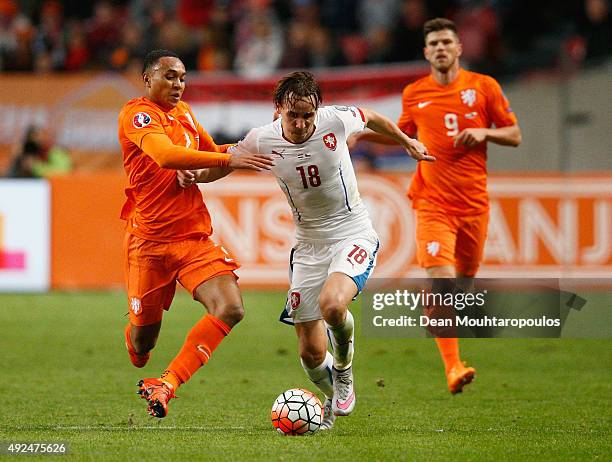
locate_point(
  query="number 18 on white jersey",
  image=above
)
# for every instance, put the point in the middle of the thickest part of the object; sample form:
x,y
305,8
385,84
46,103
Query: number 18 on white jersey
x,y
317,176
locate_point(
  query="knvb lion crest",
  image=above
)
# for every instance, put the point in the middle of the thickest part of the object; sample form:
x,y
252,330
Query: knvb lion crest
x,y
135,305
330,141
433,248
468,97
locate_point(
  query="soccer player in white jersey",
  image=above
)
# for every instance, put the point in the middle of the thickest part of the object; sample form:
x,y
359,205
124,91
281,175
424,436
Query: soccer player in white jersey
x,y
336,243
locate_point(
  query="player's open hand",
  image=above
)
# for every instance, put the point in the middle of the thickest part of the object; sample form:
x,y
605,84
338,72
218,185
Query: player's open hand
x,y
186,178
418,151
243,159
470,137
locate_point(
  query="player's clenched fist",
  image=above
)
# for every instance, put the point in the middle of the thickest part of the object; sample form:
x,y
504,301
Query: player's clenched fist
x,y
470,137
186,178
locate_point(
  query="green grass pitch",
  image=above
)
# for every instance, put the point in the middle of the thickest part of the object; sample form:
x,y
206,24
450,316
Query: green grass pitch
x,y
66,377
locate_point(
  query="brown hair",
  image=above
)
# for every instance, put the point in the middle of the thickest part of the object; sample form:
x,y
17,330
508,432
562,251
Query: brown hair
x,y
296,86
438,24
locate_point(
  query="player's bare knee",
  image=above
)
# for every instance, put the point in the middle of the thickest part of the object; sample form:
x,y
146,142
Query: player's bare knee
x,y
333,309
230,313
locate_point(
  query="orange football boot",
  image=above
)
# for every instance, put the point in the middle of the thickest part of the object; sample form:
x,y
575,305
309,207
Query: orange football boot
x,y
459,376
137,359
157,393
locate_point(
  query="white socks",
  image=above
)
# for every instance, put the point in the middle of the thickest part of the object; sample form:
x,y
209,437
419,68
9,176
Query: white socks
x,y
342,338
321,375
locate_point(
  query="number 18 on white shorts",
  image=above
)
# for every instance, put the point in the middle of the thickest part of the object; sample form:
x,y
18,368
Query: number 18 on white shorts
x,y
311,262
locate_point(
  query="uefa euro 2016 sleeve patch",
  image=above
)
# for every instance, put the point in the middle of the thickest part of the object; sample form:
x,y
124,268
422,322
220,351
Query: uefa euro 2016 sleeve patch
x,y
141,120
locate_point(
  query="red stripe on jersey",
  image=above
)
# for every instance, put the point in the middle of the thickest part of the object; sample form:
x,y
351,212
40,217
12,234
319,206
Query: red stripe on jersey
x,y
362,116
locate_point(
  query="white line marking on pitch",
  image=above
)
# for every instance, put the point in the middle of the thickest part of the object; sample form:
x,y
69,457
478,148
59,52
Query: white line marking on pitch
x,y
149,427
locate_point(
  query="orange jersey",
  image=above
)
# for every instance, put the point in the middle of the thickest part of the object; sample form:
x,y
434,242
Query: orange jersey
x,y
457,180
157,208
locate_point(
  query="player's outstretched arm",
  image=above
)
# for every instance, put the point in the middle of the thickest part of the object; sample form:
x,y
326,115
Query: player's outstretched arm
x,y
372,137
168,155
384,126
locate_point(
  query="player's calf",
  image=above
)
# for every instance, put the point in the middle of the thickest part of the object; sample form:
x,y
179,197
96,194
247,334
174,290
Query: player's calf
x,y
320,375
342,337
137,359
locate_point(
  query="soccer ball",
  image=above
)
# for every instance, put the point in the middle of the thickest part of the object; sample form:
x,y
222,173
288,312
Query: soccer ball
x,y
297,412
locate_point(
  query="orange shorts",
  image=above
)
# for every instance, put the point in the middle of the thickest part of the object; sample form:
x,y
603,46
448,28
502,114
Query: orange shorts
x,y
153,268
444,239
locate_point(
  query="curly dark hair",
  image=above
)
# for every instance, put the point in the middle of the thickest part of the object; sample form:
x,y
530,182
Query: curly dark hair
x,y
296,86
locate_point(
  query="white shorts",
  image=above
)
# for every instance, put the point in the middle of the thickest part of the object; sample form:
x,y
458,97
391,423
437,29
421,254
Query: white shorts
x,y
311,262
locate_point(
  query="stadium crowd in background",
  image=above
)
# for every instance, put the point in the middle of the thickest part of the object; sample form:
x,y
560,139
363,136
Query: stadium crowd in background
x,y
256,37
39,156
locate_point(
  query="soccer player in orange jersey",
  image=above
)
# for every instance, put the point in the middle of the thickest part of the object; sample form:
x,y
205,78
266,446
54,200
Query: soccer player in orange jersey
x,y
168,226
453,112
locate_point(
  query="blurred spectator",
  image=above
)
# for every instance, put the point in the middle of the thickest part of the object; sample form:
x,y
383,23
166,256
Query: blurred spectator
x,y
304,24
77,51
129,50
103,30
8,41
214,54
260,53
20,56
379,45
339,16
173,35
596,27
74,9
142,11
194,13
39,157
8,8
49,46
481,45
297,46
255,37
407,36
354,48
376,14
306,12
324,52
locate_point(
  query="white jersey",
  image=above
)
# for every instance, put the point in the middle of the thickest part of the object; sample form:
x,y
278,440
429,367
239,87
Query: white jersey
x,y
317,176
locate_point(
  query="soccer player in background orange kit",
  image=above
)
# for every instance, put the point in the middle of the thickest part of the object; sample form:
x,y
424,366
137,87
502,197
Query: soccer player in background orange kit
x,y
452,110
168,227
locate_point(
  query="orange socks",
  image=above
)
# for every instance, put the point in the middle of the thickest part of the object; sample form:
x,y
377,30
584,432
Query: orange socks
x,y
171,378
201,341
449,350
